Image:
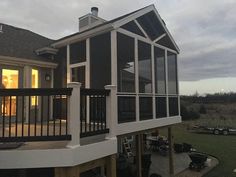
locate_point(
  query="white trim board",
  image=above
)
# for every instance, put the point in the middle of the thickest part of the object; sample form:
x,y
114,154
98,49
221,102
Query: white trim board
x,y
132,127
23,62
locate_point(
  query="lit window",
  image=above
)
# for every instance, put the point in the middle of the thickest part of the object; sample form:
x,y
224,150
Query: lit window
x,y
34,84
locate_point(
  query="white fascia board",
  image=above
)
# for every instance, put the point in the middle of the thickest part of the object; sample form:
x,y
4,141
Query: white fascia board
x,y
83,35
167,31
46,50
63,157
14,61
132,127
131,17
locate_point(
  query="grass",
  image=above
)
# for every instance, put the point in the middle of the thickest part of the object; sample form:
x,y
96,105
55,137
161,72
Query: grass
x,y
222,147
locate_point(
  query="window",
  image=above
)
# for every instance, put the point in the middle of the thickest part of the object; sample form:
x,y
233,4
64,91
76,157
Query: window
x,y
78,52
145,108
126,109
160,75
10,80
78,75
172,73
125,63
34,84
144,66
161,107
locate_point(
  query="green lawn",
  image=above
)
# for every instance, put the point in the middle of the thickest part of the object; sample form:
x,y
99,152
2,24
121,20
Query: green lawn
x,y
223,147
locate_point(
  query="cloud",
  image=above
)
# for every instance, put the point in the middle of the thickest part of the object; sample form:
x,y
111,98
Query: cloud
x,y
204,30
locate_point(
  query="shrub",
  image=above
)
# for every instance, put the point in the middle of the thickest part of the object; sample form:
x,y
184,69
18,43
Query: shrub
x,y
202,109
188,115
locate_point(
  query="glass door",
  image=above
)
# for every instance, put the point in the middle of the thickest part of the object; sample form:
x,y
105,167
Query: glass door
x,y
10,80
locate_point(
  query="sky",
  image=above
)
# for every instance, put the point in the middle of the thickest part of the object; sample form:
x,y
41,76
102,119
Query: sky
x,y
205,31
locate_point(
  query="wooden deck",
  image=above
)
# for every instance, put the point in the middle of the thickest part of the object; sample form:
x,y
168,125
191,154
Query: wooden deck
x,y
38,129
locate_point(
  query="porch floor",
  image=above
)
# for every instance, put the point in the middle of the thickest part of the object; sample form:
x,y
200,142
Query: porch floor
x,y
14,130
47,130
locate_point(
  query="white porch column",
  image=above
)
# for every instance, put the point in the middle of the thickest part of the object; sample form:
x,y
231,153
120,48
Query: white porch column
x,y
111,110
74,114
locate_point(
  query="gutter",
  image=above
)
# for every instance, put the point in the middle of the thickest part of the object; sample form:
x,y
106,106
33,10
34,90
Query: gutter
x,y
83,35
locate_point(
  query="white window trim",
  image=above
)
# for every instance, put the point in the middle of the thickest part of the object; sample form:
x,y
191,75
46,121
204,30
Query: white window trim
x,y
167,88
78,65
153,82
136,78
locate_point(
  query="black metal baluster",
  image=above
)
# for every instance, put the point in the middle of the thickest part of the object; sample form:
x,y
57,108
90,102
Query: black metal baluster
x,y
41,115
105,110
22,121
94,112
16,133
101,112
10,118
29,116
81,113
90,112
60,113
35,115
66,114
54,121
48,116
3,117
85,114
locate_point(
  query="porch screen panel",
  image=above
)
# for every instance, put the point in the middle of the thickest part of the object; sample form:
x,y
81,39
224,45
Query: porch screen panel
x,y
125,63
160,75
132,27
126,109
172,73
78,75
151,24
100,61
161,110
145,108
78,52
144,67
173,106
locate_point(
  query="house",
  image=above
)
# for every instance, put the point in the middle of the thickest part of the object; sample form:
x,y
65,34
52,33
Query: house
x,y
72,100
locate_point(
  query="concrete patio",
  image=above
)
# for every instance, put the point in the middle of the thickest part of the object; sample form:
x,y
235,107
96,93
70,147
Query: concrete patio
x,y
160,165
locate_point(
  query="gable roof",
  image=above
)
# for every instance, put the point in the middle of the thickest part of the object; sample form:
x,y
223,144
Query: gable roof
x,y
22,43
114,24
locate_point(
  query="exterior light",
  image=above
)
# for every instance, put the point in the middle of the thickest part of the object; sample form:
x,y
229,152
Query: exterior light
x,y
47,77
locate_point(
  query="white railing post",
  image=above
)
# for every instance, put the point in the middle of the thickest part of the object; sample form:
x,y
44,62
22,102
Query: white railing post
x,y
74,114
111,110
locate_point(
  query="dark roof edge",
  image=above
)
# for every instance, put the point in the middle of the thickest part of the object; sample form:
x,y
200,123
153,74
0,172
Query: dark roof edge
x,y
19,28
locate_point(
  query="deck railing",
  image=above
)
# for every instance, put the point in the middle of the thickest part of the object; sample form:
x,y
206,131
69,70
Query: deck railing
x,y
93,112
48,114
34,114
